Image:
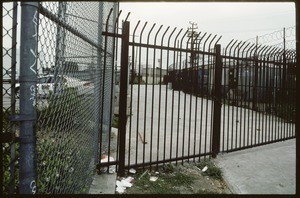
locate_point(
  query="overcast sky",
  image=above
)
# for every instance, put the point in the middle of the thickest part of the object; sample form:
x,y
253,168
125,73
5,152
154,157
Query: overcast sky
x,y
240,21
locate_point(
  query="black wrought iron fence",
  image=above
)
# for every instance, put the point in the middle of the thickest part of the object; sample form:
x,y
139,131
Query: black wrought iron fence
x,y
187,100
180,98
259,95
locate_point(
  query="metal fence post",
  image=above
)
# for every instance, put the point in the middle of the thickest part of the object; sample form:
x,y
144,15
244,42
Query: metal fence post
x,y
123,97
97,87
60,44
28,78
217,103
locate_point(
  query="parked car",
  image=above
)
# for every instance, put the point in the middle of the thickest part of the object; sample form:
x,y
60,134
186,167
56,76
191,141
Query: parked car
x,y
45,85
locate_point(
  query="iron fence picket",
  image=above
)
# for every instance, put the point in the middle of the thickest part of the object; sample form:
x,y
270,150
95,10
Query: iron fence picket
x,y
227,115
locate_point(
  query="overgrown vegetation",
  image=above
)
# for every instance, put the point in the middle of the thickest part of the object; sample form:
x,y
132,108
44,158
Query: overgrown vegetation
x,y
115,121
212,170
168,178
181,179
63,131
8,149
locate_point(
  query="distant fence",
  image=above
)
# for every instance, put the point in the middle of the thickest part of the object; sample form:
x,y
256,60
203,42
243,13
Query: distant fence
x,y
258,92
57,94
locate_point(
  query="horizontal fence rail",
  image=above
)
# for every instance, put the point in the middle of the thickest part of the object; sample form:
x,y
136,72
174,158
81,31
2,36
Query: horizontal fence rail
x,y
70,80
74,119
172,98
166,123
104,100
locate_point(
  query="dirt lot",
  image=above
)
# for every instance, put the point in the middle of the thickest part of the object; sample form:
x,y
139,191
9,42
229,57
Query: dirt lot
x,y
180,179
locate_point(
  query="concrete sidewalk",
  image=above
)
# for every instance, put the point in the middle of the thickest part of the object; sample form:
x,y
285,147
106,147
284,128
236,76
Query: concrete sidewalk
x,y
269,169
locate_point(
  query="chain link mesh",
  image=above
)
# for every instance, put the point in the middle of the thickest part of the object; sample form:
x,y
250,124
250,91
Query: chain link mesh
x,y
74,90
10,106
72,99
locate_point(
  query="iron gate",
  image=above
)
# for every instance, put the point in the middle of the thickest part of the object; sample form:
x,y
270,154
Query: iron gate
x,y
182,100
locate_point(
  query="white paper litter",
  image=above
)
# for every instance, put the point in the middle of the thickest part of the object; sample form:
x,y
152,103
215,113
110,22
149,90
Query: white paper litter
x,y
204,169
120,189
112,168
133,171
118,183
153,178
123,184
126,184
129,179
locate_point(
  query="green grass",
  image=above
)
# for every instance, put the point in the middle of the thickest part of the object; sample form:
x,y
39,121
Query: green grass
x,y
212,171
167,181
115,122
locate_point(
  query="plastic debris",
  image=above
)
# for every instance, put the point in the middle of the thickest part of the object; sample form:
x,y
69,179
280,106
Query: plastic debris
x,y
133,171
153,178
129,179
112,168
123,184
120,189
204,169
126,184
118,183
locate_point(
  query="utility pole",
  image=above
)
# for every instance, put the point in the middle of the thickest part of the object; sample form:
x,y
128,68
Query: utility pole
x,y
192,34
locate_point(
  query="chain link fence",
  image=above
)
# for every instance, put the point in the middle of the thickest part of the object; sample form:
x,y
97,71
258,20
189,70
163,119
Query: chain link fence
x,y
10,106
73,95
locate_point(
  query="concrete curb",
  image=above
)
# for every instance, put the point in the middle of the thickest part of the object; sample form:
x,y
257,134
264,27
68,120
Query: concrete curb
x,y
103,184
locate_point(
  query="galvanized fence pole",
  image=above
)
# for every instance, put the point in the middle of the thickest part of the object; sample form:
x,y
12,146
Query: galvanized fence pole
x,y
123,97
217,103
60,44
97,83
28,79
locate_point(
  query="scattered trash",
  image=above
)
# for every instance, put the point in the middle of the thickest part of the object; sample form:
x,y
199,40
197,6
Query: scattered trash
x,y
123,184
204,169
126,184
153,178
118,183
111,169
129,179
156,173
143,174
133,171
120,189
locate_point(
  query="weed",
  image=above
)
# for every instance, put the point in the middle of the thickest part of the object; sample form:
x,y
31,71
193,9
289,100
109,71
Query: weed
x,y
178,179
166,183
168,168
115,122
212,170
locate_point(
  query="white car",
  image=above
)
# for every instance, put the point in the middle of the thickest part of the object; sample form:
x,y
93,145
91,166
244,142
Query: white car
x,y
45,85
